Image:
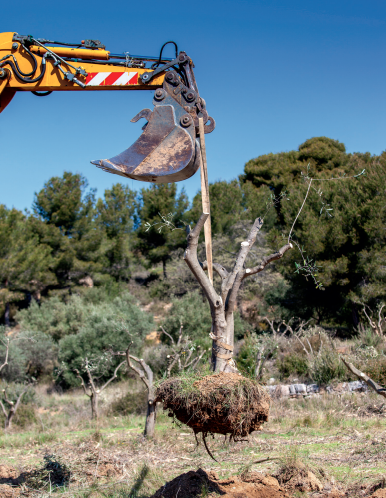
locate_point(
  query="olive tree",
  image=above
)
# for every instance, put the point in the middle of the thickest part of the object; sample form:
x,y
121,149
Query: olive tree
x,y
223,303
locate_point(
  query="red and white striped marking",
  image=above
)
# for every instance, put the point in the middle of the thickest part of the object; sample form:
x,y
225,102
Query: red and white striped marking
x,y
112,79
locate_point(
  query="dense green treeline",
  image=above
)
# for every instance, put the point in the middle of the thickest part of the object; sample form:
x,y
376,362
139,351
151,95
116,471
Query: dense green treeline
x,y
73,240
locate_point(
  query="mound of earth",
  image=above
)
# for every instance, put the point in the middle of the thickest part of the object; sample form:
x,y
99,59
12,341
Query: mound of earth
x,y
196,484
298,478
9,478
222,403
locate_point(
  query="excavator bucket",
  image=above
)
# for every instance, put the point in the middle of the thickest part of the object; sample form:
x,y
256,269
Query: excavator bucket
x,y
168,150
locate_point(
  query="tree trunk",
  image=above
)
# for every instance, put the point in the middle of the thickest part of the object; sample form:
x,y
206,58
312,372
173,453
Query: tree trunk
x,y
94,406
151,411
150,417
225,329
259,359
9,418
164,269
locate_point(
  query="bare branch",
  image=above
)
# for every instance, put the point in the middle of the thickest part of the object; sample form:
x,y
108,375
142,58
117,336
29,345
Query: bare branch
x,y
18,401
220,270
267,260
138,371
198,359
381,319
10,403
240,260
91,380
3,408
164,331
191,259
259,358
270,323
6,343
82,383
376,387
302,344
113,377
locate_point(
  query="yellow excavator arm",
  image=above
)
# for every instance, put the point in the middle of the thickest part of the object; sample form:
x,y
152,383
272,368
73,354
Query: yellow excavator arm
x,y
168,150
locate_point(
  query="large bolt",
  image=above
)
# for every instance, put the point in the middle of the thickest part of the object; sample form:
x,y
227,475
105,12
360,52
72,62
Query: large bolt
x,y
190,97
159,94
15,46
186,120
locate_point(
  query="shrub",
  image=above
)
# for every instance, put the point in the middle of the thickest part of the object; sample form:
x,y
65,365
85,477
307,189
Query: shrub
x,y
368,338
61,317
326,366
109,326
375,368
293,364
156,357
25,416
130,403
54,316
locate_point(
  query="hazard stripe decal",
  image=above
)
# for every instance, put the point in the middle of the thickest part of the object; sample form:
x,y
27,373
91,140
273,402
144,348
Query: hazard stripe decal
x,y
112,79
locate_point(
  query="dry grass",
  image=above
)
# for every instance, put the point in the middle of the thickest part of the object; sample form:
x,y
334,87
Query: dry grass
x,y
340,438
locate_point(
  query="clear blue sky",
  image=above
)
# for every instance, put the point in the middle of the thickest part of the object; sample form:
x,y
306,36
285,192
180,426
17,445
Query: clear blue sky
x,y
273,73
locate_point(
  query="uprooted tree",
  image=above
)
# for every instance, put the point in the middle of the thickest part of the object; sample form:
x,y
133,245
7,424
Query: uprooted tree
x,y
222,305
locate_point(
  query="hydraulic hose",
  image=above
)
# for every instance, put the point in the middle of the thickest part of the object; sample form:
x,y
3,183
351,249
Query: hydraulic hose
x,y
35,64
27,80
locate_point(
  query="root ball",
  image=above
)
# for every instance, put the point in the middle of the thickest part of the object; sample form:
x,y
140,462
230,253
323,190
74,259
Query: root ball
x,y
222,403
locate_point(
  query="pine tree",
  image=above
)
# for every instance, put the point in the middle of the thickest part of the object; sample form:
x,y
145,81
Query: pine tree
x,y
116,215
156,243
24,262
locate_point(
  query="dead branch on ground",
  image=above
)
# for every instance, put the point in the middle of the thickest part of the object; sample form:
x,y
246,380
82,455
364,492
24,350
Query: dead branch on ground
x,y
362,376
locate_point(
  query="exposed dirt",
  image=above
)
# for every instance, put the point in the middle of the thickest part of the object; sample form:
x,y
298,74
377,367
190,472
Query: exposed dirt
x,y
193,484
223,403
7,491
298,478
8,480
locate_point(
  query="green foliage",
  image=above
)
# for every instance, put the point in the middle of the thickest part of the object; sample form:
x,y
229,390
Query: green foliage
x,y
160,200
375,368
350,247
60,317
24,263
31,355
55,317
60,201
326,366
116,214
293,364
25,416
106,326
227,205
265,345
130,403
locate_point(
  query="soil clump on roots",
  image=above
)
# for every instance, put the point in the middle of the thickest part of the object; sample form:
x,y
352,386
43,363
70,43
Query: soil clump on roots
x,y
222,403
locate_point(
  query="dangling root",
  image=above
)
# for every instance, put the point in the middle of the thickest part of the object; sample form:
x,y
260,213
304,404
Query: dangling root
x,y
206,447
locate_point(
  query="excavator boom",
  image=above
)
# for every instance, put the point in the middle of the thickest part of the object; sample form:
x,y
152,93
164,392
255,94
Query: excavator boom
x,y
168,149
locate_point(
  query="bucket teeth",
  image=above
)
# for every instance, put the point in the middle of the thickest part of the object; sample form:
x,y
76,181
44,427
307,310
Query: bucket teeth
x,y
165,152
